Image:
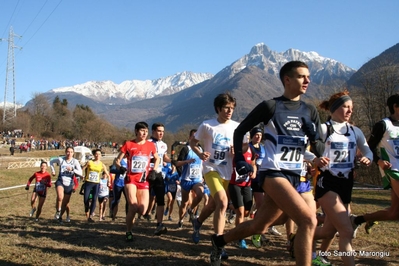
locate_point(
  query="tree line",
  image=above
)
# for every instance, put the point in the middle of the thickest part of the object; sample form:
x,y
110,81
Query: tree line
x,y
57,120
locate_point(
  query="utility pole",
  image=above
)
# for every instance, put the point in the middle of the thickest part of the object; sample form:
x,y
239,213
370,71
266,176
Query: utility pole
x,y
10,107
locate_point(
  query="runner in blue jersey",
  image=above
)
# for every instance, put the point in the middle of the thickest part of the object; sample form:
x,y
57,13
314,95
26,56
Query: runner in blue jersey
x,y
118,187
172,179
191,179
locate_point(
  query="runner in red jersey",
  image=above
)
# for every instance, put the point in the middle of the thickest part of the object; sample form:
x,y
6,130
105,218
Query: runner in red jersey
x,y
138,153
43,181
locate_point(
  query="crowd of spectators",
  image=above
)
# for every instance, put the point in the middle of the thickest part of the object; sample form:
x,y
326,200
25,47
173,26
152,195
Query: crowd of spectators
x,y
30,143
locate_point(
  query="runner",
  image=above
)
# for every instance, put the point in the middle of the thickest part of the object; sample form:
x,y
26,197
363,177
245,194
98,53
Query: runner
x,y
118,187
103,195
335,181
172,179
383,142
93,169
240,191
42,182
191,179
256,135
66,183
217,136
138,153
289,123
158,185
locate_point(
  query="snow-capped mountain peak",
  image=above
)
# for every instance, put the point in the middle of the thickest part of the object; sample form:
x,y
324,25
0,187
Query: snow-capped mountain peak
x,y
271,61
108,91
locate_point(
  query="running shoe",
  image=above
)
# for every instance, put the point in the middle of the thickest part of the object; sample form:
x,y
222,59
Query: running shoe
x,y
57,215
60,221
263,239
68,219
225,256
32,212
288,244
354,225
147,216
191,214
368,226
256,240
170,218
36,220
161,229
90,220
196,229
216,254
231,218
166,212
129,236
291,247
325,260
242,244
180,225
320,261
272,230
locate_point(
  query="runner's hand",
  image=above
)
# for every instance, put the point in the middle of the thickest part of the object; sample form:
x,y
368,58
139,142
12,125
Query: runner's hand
x,y
27,187
152,175
242,167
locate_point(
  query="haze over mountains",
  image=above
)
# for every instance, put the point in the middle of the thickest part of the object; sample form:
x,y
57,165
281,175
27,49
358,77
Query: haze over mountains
x,y
187,98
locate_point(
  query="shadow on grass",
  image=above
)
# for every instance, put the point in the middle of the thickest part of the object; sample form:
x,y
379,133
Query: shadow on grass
x,y
8,263
104,243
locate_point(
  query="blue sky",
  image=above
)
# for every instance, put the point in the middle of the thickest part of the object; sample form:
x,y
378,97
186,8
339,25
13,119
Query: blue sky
x,y
69,42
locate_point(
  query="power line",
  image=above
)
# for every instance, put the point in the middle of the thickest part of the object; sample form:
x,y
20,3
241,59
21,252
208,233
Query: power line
x,y
30,24
33,20
42,23
9,22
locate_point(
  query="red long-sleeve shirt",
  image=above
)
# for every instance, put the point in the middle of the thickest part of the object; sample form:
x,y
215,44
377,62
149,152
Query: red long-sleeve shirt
x,y
41,177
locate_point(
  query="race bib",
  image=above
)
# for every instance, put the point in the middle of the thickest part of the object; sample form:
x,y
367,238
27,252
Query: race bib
x,y
139,164
94,177
342,155
172,187
290,152
66,181
195,171
40,187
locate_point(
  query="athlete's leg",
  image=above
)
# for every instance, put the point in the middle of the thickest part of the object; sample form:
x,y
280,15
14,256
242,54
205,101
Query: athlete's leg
x,y
131,194
60,197
115,202
337,218
199,192
391,213
33,200
184,203
218,188
65,201
94,200
143,198
40,206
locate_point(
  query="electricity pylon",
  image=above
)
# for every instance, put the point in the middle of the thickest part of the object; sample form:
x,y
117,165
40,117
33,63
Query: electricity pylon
x,y
10,107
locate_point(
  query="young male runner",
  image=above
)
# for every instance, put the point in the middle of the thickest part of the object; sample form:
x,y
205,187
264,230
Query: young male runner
x,y
289,123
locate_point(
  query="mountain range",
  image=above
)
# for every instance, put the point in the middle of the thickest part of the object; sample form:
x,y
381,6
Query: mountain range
x,y
187,98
